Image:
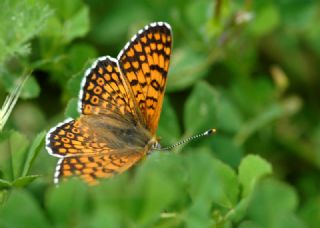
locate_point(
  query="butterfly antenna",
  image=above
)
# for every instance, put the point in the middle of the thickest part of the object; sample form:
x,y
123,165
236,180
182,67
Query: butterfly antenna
x,y
206,133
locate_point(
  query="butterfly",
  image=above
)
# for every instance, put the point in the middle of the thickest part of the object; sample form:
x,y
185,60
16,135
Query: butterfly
x,y
120,102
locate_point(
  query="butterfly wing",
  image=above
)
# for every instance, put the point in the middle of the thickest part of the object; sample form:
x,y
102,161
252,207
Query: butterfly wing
x,y
108,124
104,90
83,153
144,62
92,168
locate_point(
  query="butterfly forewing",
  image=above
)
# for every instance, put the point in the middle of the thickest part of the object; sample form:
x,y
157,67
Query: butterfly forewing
x,y
103,89
144,63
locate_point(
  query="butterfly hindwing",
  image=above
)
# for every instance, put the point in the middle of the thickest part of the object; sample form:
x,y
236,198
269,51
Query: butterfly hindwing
x,y
71,138
144,63
92,168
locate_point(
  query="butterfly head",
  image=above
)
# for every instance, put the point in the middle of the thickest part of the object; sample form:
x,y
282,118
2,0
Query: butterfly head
x,y
153,144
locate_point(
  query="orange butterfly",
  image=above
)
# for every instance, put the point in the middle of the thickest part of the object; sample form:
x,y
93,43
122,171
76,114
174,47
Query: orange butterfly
x,y
120,103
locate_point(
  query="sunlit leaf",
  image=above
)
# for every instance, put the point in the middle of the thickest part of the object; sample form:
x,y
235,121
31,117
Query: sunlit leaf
x,y
251,169
23,181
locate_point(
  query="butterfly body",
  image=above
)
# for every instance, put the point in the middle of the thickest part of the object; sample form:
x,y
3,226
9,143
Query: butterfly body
x,y
120,104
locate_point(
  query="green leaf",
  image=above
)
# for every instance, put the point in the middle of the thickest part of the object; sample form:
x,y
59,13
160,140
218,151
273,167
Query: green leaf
x,y
22,210
78,25
23,181
74,84
186,68
160,169
196,16
156,199
266,20
225,148
103,216
310,212
251,169
4,184
18,146
72,108
31,89
270,114
121,22
200,109
20,21
239,211
80,57
71,20
33,152
229,117
273,204
205,172
249,224
67,203
168,130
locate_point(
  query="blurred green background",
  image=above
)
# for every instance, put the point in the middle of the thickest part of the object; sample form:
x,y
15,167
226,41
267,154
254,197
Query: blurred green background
x,y
247,68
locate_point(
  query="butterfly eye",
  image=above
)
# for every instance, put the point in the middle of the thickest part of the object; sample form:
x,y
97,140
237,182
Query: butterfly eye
x,y
156,146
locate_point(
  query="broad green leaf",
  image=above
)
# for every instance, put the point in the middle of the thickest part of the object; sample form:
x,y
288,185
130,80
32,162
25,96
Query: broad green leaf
x,y
251,169
205,172
22,210
18,147
72,108
156,199
186,68
158,183
273,204
33,151
23,181
200,111
67,203
168,130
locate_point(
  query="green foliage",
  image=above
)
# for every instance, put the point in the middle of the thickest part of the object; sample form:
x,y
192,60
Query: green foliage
x,y
247,68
